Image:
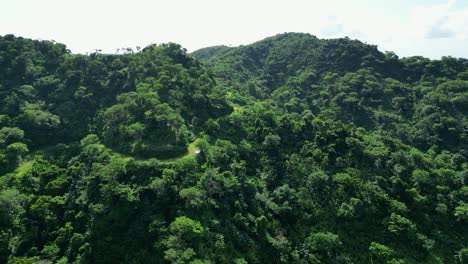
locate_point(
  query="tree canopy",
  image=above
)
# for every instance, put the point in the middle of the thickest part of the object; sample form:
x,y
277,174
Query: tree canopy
x,y
292,149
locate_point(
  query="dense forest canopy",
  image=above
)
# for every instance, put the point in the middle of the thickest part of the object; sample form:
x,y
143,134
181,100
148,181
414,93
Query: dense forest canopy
x,y
292,149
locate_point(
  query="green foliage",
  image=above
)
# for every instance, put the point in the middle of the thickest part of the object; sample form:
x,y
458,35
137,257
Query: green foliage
x,y
324,246
289,150
9,135
399,225
380,253
184,233
186,227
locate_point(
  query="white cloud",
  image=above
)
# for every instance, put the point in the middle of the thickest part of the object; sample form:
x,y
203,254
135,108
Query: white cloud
x,y
332,26
440,21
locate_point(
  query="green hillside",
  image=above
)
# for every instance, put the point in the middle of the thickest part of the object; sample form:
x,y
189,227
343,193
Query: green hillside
x,y
292,149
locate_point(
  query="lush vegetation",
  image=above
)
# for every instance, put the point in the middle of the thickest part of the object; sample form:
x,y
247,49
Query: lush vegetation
x,y
310,151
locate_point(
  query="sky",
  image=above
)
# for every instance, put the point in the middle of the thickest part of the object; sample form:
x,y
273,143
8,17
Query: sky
x,y
430,28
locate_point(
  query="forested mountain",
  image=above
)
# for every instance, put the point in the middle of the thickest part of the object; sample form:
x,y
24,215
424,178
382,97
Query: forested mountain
x,y
292,149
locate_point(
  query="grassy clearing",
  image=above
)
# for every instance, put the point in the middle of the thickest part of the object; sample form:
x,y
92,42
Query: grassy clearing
x,y
192,147
24,167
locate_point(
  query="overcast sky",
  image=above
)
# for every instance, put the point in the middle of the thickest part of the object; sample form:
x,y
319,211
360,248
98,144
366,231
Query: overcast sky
x,y
432,28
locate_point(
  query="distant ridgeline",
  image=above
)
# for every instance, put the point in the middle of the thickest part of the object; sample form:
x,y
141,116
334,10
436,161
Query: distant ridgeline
x,y
290,150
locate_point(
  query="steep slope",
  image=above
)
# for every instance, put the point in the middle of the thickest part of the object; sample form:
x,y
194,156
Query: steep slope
x,y
367,88
210,53
272,60
147,99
